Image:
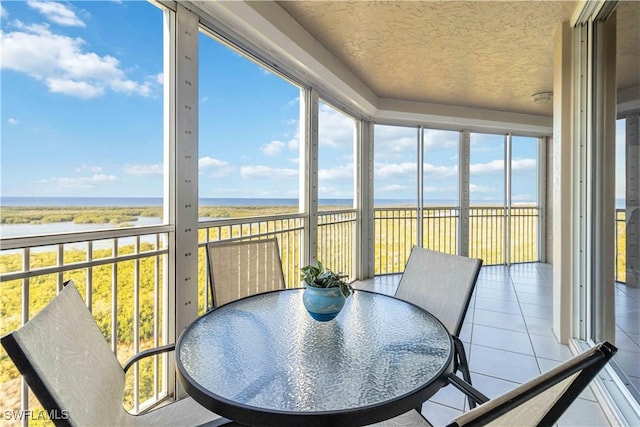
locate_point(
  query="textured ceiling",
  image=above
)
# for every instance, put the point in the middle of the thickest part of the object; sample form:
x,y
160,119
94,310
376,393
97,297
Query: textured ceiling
x,y
483,54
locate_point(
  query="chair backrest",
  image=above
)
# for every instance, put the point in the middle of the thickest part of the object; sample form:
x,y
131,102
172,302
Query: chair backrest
x,y
68,364
440,283
241,269
541,401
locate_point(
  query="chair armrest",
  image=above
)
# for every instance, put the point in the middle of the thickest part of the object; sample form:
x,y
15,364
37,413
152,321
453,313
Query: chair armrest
x,y
467,389
147,353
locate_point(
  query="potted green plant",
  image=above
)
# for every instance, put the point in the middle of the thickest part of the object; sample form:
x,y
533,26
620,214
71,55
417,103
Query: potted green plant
x,y
325,293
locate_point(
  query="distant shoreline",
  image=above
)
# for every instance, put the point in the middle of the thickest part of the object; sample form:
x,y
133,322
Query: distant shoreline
x,y
127,202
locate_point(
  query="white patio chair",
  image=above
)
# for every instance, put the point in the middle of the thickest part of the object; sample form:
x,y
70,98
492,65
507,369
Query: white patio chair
x,y
70,368
538,402
442,284
240,269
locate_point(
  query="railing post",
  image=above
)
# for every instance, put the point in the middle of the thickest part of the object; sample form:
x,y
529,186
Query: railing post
x,y
463,192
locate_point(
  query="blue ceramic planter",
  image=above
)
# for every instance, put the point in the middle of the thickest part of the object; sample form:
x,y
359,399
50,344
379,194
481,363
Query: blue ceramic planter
x,y
323,304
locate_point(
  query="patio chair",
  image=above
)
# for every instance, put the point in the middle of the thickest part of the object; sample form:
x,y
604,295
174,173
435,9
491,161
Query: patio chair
x,y
240,269
442,284
70,368
538,402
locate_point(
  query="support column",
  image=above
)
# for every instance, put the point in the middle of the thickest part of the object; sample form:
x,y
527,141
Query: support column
x,y
464,153
633,200
365,238
183,156
309,174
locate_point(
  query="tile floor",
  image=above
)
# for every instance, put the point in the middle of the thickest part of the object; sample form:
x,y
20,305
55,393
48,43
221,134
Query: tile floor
x,y
509,320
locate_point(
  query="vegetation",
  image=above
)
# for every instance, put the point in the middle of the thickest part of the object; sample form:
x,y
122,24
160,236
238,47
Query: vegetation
x,y
320,277
119,215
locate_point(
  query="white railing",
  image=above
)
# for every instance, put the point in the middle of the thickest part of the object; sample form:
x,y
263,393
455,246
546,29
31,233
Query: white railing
x,y
336,237
396,232
288,229
118,272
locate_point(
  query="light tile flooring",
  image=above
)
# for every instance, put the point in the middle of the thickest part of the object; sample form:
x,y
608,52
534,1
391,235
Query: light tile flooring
x,y
508,337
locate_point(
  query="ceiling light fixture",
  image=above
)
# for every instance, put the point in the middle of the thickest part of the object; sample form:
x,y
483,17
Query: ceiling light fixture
x,y
542,98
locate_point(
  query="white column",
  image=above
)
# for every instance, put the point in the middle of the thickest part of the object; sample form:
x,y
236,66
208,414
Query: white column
x,y
309,174
365,239
184,206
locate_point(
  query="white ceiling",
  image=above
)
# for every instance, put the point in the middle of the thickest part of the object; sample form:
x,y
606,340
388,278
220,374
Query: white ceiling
x,y
479,54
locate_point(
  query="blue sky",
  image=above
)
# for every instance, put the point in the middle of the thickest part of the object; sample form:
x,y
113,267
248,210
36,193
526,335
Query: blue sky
x,y
82,116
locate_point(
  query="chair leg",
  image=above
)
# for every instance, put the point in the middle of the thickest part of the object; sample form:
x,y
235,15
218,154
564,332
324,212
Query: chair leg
x,y
463,365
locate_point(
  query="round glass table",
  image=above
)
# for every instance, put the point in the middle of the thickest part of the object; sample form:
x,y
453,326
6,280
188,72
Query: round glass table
x,y
263,360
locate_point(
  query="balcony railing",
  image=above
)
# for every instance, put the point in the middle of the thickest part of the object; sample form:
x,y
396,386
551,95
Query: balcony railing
x,y
121,273
396,234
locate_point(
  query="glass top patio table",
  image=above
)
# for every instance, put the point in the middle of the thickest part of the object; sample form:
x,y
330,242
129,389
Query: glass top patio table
x,y
263,360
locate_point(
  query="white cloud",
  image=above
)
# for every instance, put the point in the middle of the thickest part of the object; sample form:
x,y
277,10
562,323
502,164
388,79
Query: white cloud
x,y
490,167
336,130
481,189
64,66
393,188
143,169
394,169
260,171
432,189
440,172
3,12
215,167
440,139
273,148
524,197
12,121
498,166
81,89
86,182
210,162
342,172
86,168
57,12
519,164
